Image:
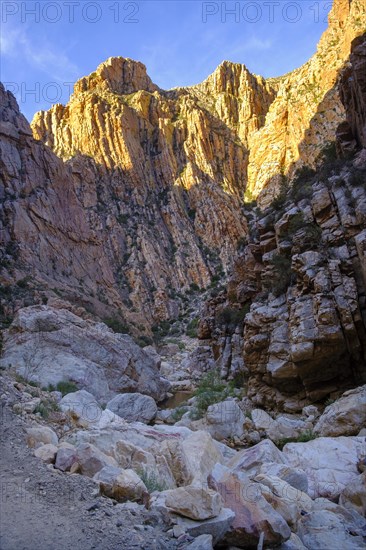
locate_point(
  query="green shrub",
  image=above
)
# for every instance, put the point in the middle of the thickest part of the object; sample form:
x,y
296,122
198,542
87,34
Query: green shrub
x,y
151,480
312,232
241,243
191,329
307,435
280,200
191,213
143,341
302,184
313,235
46,407
358,178
211,389
66,387
116,325
23,283
231,316
296,222
281,276
161,329
178,413
122,218
194,287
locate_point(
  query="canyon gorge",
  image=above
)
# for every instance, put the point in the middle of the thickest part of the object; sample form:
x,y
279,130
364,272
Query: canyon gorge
x,y
208,239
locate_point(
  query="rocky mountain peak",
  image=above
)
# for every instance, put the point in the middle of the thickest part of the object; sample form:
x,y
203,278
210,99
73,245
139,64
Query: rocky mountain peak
x,y
118,75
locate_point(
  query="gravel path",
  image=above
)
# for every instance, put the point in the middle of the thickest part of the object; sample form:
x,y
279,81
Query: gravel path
x,y
42,509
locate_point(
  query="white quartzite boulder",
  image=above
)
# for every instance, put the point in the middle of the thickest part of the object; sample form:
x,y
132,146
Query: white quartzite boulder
x,y
134,407
346,416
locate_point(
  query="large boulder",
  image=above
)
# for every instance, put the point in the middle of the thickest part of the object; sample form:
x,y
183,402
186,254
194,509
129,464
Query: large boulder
x,y
295,477
155,468
134,407
47,453
281,427
253,514
354,495
49,345
82,408
225,420
203,542
346,416
66,457
330,527
329,463
178,461
250,460
120,484
289,502
194,502
202,455
216,527
91,460
40,435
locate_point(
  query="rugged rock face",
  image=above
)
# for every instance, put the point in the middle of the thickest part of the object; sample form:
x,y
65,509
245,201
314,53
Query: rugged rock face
x,y
352,133
89,230
142,161
130,201
303,118
45,232
298,283
48,345
298,290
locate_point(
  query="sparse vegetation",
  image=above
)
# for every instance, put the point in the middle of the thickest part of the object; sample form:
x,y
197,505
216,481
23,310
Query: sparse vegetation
x,y
311,235
280,200
161,330
302,184
191,329
178,413
231,316
211,389
116,325
151,480
46,407
66,387
281,274
307,435
144,340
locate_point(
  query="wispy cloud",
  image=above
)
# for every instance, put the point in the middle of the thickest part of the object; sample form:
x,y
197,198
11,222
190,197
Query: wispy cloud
x,y
16,44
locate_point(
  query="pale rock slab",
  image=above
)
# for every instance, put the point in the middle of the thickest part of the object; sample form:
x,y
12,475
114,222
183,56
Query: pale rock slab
x,y
134,407
329,463
40,435
120,484
344,417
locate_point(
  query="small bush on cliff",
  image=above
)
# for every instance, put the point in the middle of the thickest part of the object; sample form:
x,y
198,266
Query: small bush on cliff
x,y
280,200
116,325
358,178
191,329
231,316
161,330
296,222
311,235
281,276
302,184
66,387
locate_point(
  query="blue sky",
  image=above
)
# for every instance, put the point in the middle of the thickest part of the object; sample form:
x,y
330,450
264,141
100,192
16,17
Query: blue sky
x,y
47,45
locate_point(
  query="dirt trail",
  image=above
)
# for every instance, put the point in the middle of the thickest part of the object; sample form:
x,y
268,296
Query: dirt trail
x,y
42,509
